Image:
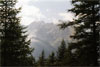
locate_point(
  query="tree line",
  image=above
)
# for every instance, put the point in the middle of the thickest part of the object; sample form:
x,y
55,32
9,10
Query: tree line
x,y
57,58
83,50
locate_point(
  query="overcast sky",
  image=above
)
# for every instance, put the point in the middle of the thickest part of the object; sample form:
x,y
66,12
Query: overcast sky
x,y
44,10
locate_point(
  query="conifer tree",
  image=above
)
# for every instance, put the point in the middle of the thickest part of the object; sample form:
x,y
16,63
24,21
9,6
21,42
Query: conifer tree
x,y
15,50
51,59
61,52
41,61
68,59
85,46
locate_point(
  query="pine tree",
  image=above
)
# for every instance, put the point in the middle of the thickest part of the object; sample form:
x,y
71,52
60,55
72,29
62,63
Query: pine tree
x,y
41,61
15,50
68,59
61,52
85,46
51,59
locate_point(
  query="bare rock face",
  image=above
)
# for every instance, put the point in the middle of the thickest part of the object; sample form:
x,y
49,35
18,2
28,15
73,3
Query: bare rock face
x,y
46,36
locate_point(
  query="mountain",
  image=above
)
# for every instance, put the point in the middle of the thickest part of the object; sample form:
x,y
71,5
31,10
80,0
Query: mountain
x,y
46,36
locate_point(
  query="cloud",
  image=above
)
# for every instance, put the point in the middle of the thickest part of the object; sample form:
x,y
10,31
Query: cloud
x,y
63,16
47,10
55,21
67,16
53,0
29,13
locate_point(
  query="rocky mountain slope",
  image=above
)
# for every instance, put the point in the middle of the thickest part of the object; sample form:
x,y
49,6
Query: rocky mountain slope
x,y
46,36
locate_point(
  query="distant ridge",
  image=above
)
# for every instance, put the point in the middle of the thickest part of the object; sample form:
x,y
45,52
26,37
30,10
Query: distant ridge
x,y
46,36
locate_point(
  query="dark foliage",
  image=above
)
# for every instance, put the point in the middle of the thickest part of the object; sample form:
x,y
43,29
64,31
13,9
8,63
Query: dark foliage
x,y
15,50
85,46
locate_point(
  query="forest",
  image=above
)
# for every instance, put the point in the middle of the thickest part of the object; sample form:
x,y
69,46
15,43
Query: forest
x,y
82,50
